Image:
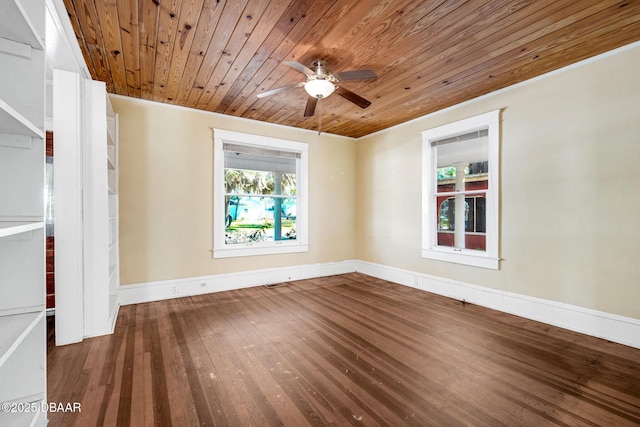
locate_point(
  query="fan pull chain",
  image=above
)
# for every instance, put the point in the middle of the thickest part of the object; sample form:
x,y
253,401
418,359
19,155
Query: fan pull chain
x,y
319,115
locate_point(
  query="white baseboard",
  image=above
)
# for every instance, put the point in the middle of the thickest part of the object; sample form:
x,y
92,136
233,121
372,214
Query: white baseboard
x,y
167,289
620,329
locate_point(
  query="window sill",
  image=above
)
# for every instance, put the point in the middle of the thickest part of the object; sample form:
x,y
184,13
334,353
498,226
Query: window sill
x,y
471,258
255,250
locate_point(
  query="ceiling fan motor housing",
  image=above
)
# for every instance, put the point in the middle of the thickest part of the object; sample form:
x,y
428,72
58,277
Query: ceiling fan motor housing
x,y
320,84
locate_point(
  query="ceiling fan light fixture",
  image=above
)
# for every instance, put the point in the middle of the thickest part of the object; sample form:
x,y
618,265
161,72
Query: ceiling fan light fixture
x,y
319,88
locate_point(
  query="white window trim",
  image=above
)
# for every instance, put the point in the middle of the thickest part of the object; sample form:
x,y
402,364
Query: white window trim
x,y
430,248
300,244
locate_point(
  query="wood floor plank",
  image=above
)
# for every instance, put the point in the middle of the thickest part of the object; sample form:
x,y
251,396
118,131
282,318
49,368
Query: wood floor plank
x,y
160,391
94,393
346,350
137,375
182,412
148,391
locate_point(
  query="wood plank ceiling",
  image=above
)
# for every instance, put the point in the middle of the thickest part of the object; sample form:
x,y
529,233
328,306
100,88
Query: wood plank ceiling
x,y
218,55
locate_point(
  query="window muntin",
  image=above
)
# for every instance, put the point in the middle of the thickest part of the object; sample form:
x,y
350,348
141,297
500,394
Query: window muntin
x,y
260,184
460,186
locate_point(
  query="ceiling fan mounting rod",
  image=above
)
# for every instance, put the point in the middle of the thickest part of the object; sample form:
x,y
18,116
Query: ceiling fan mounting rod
x,y
321,72
321,68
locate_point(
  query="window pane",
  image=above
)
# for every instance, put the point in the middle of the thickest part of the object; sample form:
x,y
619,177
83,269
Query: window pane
x,y
475,176
289,184
447,215
475,222
469,215
256,219
281,214
481,216
238,181
241,181
464,156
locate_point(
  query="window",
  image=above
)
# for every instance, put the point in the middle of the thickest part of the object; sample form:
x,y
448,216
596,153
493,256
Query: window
x,y
460,191
260,195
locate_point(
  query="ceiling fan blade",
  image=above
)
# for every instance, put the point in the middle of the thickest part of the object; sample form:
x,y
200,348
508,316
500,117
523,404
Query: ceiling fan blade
x,y
356,75
298,67
350,96
310,109
278,90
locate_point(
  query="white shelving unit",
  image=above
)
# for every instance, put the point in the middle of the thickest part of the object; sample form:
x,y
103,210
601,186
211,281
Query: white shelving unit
x,y
86,197
100,211
22,244
114,226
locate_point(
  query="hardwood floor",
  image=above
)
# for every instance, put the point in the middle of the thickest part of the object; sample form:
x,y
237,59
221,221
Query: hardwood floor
x,y
340,350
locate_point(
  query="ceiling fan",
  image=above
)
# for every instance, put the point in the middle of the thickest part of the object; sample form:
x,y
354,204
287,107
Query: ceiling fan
x,y
321,82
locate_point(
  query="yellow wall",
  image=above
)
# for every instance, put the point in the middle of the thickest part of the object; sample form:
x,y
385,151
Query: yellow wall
x,y
570,189
166,193
570,192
